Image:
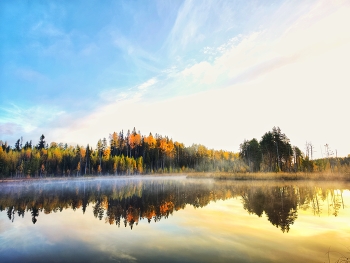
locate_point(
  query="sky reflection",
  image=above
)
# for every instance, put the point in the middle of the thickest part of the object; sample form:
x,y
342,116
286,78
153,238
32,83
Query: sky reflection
x,y
207,222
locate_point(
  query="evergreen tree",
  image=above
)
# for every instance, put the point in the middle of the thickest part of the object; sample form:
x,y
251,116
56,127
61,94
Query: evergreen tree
x,y
42,143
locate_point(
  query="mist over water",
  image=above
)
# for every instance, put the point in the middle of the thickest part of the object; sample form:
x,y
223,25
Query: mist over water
x,y
154,218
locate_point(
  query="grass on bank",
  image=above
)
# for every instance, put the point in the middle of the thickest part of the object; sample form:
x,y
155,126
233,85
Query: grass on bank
x,y
345,176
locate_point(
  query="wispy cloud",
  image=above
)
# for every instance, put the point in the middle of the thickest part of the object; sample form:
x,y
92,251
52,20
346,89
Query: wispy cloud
x,y
59,42
134,51
131,94
247,57
195,19
47,29
89,49
187,27
147,84
9,128
27,120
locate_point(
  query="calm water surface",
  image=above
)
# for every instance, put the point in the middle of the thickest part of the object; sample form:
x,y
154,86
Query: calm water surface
x,y
173,220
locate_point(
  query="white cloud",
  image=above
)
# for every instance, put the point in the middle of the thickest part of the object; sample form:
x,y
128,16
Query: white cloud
x,y
201,73
132,94
147,84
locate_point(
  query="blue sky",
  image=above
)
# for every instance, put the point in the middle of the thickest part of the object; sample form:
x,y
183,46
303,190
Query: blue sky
x,y
209,72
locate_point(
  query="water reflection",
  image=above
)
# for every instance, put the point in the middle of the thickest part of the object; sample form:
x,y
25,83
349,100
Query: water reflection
x,y
127,201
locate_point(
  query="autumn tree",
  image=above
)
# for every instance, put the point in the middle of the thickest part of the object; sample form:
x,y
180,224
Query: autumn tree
x,y
113,140
134,142
149,152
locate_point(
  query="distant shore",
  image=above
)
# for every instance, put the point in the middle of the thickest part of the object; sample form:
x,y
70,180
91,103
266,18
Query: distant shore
x,y
316,176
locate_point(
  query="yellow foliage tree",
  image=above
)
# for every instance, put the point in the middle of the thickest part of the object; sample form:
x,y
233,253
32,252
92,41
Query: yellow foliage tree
x,y
151,141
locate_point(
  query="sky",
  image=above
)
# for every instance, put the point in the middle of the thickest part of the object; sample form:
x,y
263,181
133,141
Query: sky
x,y
207,72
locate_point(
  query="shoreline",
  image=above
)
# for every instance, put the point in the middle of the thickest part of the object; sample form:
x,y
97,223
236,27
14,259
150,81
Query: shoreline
x,y
260,176
87,178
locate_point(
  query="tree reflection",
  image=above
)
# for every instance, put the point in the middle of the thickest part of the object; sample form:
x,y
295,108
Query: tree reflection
x,y
128,201
11,213
35,214
278,203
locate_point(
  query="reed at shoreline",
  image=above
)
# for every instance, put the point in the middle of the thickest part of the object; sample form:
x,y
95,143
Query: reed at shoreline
x,y
317,176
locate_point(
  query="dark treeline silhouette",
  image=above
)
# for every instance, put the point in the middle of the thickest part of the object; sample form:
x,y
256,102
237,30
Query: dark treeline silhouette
x,y
130,153
126,202
274,153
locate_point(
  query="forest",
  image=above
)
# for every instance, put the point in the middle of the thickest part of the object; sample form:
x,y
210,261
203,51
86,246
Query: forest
x,y
133,153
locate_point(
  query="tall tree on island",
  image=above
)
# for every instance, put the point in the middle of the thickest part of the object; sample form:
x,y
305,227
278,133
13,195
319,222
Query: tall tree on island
x,y
41,144
277,150
250,152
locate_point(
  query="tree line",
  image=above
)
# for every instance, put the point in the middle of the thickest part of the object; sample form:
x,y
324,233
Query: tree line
x,y
130,153
134,153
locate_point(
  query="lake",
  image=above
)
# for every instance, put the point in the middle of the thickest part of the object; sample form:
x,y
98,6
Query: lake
x,y
173,219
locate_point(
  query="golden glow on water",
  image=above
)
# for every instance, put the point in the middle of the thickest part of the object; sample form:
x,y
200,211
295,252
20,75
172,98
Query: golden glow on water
x,y
232,228
221,231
